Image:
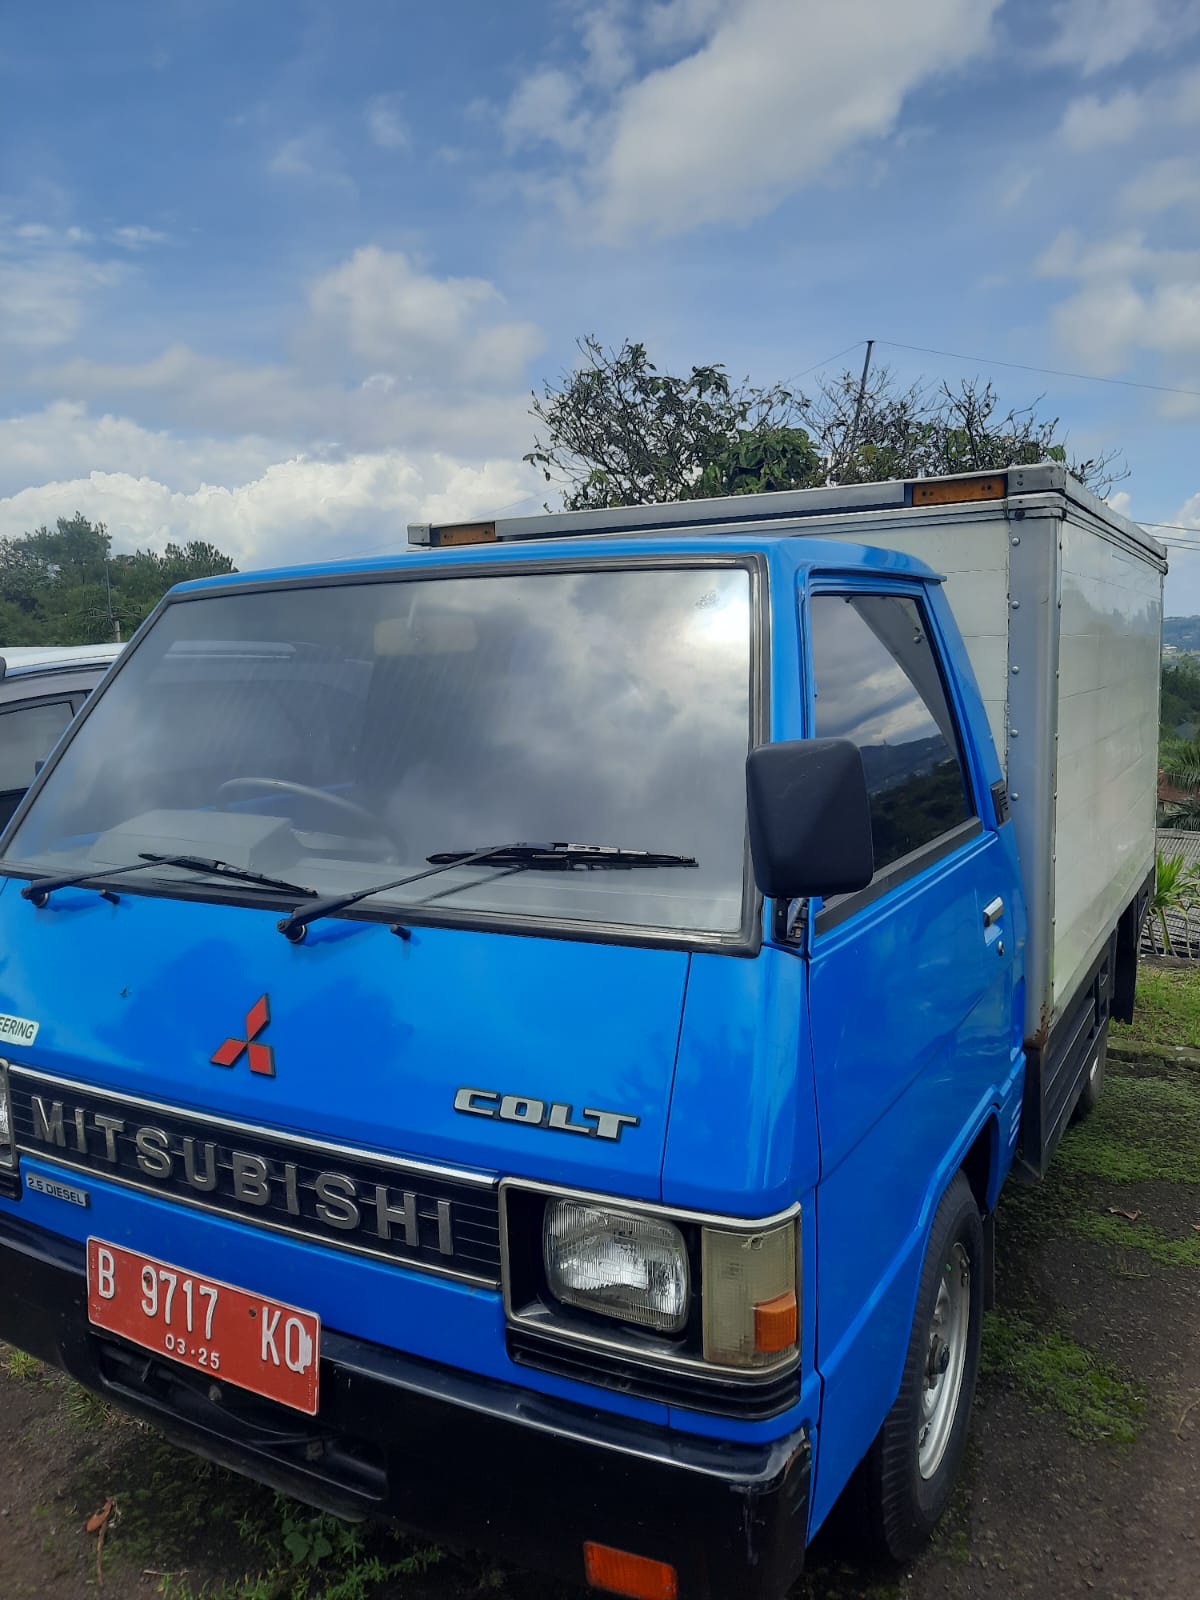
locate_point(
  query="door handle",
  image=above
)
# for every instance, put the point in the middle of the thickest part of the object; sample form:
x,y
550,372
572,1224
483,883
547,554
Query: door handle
x,y
993,912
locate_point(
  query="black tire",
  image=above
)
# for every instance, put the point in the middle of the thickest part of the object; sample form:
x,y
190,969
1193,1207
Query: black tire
x,y
901,1506
1093,1083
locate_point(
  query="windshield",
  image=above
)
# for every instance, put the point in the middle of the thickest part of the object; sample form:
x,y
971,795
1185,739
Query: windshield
x,y
339,735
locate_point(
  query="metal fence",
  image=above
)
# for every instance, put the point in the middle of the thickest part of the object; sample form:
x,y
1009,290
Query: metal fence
x,y
1183,920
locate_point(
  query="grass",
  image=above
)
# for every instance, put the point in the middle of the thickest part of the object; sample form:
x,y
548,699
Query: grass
x,y
1160,1247
269,1547
1095,1402
1167,1010
1145,1129
308,1555
22,1367
87,1411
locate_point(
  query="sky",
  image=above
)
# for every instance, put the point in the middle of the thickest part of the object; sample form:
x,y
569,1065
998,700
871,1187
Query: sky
x,y
282,275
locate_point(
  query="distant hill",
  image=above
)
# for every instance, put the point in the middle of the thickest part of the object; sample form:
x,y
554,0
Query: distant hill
x,y
1182,632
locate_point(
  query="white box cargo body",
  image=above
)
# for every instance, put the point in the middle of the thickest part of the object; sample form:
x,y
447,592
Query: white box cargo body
x,y
1059,601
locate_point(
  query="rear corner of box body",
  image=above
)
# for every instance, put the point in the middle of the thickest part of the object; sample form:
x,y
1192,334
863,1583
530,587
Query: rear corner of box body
x,y
1109,677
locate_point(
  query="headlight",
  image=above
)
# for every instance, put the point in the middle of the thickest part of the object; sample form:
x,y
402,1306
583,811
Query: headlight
x,y
617,1264
751,1313
8,1154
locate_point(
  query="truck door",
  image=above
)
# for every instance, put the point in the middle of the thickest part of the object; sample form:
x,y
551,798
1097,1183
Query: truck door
x,y
911,980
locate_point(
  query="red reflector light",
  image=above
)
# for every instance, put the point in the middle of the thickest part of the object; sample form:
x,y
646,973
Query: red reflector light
x,y
619,1572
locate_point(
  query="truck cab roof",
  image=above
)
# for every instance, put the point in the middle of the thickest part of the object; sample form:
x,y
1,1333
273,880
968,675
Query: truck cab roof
x,y
782,548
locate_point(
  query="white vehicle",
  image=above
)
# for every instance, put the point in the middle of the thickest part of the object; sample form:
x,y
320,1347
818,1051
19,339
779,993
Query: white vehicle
x,y
41,689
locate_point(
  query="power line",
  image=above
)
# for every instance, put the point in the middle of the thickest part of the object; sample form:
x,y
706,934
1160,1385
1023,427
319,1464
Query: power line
x,y
1024,366
836,356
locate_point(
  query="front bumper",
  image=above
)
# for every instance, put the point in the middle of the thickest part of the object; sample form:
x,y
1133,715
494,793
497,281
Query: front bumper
x,y
460,1459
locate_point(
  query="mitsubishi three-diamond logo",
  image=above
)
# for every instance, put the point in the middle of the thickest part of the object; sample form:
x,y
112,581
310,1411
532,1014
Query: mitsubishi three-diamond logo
x,y
262,1057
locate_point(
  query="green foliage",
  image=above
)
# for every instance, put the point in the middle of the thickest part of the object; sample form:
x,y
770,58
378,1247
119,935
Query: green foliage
x,y
64,586
619,432
1057,1374
1177,890
1180,705
616,431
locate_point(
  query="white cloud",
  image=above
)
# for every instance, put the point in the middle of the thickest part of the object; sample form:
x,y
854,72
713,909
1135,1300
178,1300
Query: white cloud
x,y
543,111
65,440
402,399
1189,513
775,96
44,290
386,124
295,510
385,312
608,49
302,407
1165,185
137,236
1129,297
675,23
309,157
1096,34
1089,122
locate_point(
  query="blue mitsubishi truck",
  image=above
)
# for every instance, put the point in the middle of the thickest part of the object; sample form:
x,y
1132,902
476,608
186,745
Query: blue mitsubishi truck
x,y
525,1037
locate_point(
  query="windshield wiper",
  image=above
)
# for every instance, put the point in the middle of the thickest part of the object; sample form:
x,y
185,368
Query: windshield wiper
x,y
40,889
565,856
555,857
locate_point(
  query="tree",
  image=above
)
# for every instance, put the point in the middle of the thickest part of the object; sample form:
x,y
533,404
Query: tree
x,y
620,433
616,432
64,586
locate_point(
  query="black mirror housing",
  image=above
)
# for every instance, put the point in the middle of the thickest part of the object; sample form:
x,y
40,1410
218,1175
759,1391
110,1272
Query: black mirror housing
x,y
810,818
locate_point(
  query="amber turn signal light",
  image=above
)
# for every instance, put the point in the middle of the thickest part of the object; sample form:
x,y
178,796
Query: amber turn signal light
x,y
620,1572
950,491
776,1324
462,533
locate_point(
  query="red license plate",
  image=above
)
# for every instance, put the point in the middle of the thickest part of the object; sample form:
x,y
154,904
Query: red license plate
x,y
258,1344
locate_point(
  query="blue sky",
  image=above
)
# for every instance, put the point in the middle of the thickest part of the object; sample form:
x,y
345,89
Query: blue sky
x,y
281,275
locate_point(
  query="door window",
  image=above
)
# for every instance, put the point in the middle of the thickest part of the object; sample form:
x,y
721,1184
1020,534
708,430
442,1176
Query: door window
x,y
877,683
27,736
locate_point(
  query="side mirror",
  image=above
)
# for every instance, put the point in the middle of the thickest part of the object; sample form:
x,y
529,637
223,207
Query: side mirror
x,y
810,818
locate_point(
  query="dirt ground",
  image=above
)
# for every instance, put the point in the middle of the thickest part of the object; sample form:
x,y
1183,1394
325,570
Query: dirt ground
x,y
1083,1477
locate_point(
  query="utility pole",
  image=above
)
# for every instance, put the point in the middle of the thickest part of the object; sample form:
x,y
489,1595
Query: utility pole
x,y
862,394
113,622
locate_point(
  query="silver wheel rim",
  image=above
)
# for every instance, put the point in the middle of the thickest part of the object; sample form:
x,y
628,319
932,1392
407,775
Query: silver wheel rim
x,y
1095,1072
945,1361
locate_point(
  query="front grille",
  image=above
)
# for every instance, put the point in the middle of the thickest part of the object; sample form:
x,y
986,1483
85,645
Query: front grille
x,y
749,1399
353,1200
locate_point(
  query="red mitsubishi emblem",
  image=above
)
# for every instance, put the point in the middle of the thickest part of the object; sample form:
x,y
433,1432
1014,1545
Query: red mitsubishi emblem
x,y
262,1057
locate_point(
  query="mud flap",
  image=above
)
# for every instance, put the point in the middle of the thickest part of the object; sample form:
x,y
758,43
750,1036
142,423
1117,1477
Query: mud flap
x,y
989,1261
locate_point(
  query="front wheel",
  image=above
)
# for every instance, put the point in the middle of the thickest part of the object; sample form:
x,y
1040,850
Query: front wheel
x,y
910,1470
